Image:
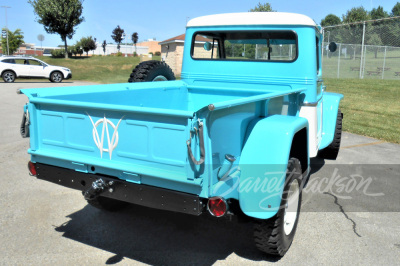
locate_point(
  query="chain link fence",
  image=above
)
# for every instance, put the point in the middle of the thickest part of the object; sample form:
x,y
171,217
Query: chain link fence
x,y
369,49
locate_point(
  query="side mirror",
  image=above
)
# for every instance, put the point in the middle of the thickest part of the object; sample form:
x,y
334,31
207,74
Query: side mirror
x,y
207,46
332,47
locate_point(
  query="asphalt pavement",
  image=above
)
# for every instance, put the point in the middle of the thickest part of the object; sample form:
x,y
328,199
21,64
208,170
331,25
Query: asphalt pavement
x,y
351,209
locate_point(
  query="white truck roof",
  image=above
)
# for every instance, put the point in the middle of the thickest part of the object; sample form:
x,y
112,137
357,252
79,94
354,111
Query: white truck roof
x,y
252,18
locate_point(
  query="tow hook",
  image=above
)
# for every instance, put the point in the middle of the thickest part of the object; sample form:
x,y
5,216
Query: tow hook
x,y
97,187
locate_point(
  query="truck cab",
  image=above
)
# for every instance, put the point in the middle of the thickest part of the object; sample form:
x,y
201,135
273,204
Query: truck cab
x,y
262,50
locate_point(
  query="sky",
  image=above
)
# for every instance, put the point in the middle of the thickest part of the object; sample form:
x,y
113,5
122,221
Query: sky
x,y
161,19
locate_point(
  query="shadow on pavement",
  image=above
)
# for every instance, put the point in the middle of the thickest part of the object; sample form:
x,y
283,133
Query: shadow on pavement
x,y
316,164
160,237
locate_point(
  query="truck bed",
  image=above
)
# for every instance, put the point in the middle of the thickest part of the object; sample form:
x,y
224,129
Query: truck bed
x,y
135,132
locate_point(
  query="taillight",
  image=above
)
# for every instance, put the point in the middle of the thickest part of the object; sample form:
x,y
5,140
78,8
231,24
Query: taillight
x,y
32,168
217,206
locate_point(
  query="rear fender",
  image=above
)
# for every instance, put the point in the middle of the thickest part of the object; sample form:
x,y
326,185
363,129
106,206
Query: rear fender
x,y
263,163
330,109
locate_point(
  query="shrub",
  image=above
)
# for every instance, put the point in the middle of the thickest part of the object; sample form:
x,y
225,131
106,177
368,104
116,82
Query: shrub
x,y
119,54
151,53
57,53
158,53
134,54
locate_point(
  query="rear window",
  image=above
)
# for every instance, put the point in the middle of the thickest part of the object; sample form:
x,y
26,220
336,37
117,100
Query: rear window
x,y
10,61
275,46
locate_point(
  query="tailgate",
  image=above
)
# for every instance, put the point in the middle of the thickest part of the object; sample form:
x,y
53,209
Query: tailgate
x,y
139,147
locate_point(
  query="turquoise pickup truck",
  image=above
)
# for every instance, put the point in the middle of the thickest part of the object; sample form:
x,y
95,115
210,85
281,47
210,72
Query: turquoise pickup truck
x,y
233,137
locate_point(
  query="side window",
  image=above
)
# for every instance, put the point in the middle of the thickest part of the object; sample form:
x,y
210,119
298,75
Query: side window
x,y
21,61
34,63
205,47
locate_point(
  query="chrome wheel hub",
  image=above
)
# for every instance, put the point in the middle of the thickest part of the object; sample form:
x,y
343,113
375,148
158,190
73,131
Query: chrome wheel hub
x,y
160,78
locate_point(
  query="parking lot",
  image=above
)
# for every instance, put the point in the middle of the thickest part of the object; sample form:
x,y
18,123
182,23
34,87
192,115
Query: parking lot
x,y
43,223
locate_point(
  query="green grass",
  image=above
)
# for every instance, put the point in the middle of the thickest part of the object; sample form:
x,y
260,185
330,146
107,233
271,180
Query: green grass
x,y
101,69
371,107
330,66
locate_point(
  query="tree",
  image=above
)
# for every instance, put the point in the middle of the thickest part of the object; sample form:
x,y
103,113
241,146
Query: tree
x,y
15,39
59,16
352,34
135,38
92,44
83,43
377,13
117,36
104,46
262,8
396,10
356,14
374,40
77,48
330,20
87,44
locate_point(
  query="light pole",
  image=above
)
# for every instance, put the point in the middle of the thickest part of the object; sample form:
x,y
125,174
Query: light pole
x,y
5,8
123,37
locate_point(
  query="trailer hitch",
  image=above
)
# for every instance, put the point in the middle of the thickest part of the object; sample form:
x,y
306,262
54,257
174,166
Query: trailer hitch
x,y
97,187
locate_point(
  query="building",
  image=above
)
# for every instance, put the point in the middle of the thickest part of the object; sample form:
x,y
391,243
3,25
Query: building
x,y
172,51
124,49
152,44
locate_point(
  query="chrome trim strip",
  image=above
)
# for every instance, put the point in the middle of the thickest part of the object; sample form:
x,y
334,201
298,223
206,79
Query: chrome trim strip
x,y
310,104
247,79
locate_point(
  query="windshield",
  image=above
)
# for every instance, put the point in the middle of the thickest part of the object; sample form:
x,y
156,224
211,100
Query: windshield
x,y
278,46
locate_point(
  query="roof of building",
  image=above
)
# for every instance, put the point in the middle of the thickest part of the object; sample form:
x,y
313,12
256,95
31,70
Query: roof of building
x,y
252,18
174,39
181,38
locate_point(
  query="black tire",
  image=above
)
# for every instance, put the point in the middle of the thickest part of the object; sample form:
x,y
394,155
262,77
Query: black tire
x,y
8,76
331,152
56,77
271,236
111,205
151,71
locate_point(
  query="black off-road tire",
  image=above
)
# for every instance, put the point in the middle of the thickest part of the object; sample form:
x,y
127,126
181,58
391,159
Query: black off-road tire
x,y
151,71
8,76
111,205
56,77
269,235
331,152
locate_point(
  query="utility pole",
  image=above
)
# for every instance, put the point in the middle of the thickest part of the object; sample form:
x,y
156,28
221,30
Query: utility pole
x,y
5,8
126,48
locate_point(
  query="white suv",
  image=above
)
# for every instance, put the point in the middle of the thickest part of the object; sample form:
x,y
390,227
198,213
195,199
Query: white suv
x,y
12,67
